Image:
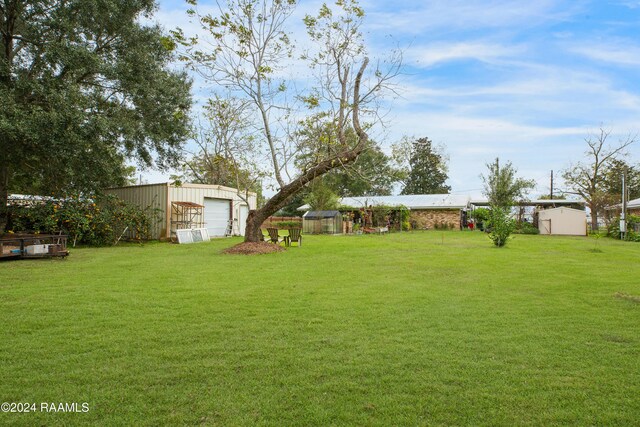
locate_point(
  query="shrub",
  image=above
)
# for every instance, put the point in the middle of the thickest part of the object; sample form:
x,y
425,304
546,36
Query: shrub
x,y
501,226
95,221
380,215
289,224
480,214
613,229
525,228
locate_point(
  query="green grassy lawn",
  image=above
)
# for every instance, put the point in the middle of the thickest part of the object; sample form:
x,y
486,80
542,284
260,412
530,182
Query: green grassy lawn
x,y
430,328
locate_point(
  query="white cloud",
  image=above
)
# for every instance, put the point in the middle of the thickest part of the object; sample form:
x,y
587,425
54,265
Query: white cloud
x,y
427,56
620,52
631,4
419,17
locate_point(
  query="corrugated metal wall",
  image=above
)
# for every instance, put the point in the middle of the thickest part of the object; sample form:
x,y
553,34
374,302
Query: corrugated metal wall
x,y
152,196
198,192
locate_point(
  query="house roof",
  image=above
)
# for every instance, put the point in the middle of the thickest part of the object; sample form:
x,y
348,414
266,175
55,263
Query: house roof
x,y
539,202
415,201
563,208
635,203
183,185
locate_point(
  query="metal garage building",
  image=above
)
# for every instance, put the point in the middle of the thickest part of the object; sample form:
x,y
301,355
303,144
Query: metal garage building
x,y
214,207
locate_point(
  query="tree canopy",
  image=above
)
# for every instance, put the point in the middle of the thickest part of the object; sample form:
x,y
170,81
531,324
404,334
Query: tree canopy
x,y
426,169
226,154
612,180
501,185
85,85
373,173
587,179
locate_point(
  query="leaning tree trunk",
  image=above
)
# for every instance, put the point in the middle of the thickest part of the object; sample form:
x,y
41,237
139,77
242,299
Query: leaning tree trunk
x,y
280,199
349,155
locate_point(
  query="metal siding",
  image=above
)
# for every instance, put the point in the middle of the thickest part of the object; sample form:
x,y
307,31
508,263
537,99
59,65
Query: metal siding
x,y
562,221
216,215
155,195
197,193
186,194
147,196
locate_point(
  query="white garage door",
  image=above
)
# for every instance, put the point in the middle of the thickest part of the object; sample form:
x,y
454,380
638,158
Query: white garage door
x,y
242,218
216,216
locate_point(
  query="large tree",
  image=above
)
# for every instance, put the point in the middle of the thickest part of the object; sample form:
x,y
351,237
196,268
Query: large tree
x,y
246,52
84,86
586,179
612,180
426,168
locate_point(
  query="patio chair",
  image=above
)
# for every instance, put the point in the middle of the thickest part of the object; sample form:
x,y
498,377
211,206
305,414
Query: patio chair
x,y
273,236
295,235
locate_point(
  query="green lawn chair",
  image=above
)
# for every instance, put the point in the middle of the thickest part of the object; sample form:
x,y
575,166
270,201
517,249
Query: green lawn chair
x,y
274,237
295,235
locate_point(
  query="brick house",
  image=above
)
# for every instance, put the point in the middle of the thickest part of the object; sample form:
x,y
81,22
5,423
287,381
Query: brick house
x,y
426,211
633,207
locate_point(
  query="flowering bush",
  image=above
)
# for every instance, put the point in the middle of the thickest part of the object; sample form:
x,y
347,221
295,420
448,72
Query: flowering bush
x,y
95,221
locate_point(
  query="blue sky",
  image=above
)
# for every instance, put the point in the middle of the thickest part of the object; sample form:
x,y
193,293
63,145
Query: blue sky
x,y
523,81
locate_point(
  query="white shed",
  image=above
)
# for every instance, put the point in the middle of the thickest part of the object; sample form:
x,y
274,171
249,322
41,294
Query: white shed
x,y
562,221
214,207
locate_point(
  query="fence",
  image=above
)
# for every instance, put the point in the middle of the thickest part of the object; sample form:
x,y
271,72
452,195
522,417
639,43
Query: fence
x,y
273,221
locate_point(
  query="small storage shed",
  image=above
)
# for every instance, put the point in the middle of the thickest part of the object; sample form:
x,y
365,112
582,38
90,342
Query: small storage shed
x,y
562,221
322,222
214,207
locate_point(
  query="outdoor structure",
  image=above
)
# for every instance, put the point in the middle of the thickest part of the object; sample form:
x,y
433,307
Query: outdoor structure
x,y
562,221
217,208
529,209
322,222
633,207
426,211
33,246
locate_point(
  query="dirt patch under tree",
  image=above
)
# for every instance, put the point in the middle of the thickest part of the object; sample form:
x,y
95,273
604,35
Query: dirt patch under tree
x,y
253,248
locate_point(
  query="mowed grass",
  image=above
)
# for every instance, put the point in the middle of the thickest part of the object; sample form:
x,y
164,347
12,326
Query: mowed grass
x,y
425,328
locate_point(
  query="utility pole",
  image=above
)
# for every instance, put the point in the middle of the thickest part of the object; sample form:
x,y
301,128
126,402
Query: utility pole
x,y
551,194
623,214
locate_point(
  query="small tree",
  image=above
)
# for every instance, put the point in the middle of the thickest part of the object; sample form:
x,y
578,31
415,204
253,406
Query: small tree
x,y
501,226
502,187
